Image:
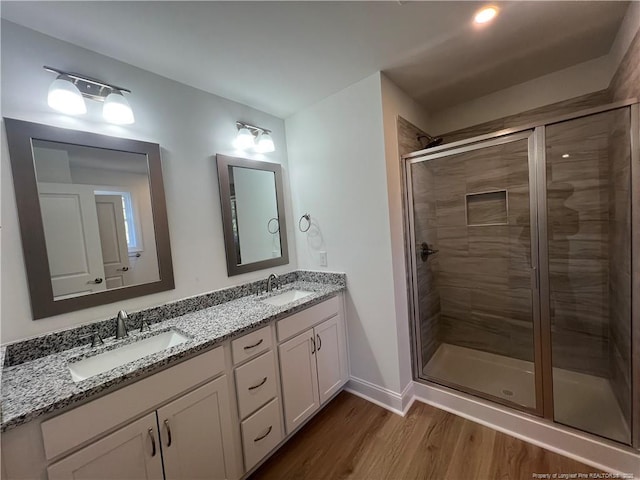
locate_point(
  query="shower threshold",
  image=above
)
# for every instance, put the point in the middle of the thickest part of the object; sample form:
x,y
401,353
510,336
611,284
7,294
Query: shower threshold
x,y
586,402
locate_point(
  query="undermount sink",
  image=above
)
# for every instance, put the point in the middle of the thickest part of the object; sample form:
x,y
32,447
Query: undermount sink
x,y
131,352
286,297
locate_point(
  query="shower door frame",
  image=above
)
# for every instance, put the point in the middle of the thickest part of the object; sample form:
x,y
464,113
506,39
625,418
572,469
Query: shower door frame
x,y
543,367
532,138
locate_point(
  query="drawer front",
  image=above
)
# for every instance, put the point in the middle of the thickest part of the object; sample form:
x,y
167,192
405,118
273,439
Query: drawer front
x,y
256,383
295,324
261,433
250,345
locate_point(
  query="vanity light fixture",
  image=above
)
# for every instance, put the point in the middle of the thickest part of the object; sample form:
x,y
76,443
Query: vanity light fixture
x,y
68,91
250,136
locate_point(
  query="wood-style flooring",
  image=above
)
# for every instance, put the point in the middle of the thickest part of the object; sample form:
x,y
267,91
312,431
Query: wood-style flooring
x,y
355,439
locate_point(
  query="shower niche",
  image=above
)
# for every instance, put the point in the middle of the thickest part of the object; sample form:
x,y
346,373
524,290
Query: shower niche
x,y
528,301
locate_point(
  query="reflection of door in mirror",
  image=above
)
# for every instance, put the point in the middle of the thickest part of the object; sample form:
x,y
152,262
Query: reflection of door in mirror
x,y
73,242
96,209
254,206
113,238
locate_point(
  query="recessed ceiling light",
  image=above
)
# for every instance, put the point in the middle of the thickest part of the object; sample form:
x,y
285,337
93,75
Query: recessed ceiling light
x,y
485,15
566,155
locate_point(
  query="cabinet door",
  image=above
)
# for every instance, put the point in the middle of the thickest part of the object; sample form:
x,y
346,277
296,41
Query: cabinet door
x,y
195,431
331,357
131,452
299,379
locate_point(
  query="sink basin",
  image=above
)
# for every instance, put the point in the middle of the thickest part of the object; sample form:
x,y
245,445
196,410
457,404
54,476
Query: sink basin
x,y
286,297
127,353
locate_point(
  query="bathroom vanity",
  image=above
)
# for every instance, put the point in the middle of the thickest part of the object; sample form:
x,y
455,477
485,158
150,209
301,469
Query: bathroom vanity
x,y
250,373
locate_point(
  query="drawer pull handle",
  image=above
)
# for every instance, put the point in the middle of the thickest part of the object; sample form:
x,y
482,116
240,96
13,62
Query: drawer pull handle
x,y
313,343
265,435
319,342
249,347
153,443
264,380
166,425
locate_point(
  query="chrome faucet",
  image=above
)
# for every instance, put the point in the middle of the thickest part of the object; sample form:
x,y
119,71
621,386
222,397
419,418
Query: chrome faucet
x,y
273,277
121,325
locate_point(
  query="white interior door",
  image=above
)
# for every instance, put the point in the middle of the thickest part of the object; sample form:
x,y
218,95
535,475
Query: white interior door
x,y
195,431
113,238
299,379
331,357
128,453
72,236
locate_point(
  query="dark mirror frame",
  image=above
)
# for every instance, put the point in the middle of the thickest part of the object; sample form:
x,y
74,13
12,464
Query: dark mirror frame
x,y
19,138
224,162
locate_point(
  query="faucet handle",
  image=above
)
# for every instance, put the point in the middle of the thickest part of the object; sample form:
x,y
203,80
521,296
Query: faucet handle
x,y
95,338
122,315
144,323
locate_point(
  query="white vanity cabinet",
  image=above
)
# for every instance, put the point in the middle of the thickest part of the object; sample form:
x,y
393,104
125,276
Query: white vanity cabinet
x,y
313,364
216,415
191,439
131,452
195,429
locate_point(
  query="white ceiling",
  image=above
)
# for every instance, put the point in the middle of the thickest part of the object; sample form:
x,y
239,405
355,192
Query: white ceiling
x,y
283,56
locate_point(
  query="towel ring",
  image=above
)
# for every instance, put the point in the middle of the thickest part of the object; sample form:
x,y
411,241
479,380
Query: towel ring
x,y
277,229
306,217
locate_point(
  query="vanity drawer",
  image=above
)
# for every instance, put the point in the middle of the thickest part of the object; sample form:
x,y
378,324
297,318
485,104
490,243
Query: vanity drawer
x,y
290,326
256,383
261,433
250,345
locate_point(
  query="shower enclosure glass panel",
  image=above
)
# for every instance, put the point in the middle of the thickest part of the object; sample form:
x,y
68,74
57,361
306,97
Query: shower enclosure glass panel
x,y
588,185
474,289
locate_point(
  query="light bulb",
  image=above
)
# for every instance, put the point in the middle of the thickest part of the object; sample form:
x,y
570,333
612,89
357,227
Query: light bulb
x,y
244,139
486,15
265,143
65,97
116,109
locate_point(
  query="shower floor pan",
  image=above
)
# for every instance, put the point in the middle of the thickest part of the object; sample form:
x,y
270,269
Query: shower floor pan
x,y
582,401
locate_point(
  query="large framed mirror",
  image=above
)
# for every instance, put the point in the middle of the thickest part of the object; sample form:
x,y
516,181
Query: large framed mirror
x,y
254,225
92,215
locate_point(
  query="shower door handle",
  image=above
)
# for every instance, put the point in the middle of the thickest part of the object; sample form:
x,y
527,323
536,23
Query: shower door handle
x,y
425,251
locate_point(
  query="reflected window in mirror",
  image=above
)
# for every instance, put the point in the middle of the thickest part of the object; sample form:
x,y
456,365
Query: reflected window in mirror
x,y
251,195
92,217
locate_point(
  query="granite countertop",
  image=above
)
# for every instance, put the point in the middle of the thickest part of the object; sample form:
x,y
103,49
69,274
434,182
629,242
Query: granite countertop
x,y
37,387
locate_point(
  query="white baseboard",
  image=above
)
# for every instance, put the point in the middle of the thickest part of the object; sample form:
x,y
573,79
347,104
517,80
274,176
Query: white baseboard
x,y
602,455
599,454
398,403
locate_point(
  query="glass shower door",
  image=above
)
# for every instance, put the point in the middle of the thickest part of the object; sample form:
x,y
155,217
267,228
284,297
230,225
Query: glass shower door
x,y
588,182
475,295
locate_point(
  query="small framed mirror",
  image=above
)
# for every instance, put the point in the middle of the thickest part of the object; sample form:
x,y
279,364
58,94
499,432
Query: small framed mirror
x,y
92,216
254,225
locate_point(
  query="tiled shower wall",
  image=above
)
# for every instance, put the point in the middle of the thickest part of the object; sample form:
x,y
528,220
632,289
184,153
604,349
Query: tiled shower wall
x,y
625,84
476,291
578,238
620,261
429,298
